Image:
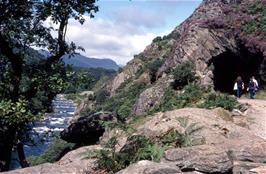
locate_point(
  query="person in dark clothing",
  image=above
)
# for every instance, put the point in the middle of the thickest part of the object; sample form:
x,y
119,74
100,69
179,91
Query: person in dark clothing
x,y
252,86
239,86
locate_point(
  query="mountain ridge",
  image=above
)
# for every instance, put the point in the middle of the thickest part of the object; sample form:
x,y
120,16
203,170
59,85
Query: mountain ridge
x,y
78,60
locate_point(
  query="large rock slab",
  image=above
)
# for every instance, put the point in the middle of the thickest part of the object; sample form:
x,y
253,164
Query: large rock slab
x,y
204,158
73,162
149,167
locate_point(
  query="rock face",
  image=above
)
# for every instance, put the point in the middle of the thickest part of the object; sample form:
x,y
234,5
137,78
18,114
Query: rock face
x,y
205,158
151,96
217,52
148,167
228,147
129,71
86,129
72,162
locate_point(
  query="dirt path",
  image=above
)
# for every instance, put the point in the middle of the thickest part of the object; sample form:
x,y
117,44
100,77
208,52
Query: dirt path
x,y
256,116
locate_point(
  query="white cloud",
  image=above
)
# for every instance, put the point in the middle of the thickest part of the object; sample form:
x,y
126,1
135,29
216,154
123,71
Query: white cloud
x,y
104,38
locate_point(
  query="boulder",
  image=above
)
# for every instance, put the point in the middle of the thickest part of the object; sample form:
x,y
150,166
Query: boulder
x,y
149,167
241,167
151,96
86,130
259,170
72,162
204,158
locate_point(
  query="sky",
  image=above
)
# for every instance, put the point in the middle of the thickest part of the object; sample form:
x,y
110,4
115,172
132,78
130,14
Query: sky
x,y
123,28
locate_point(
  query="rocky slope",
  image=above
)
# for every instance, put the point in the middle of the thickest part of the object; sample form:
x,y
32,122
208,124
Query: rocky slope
x,y
230,142
221,48
230,145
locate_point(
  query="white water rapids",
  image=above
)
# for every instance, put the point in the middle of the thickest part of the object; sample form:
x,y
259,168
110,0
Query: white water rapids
x,y
44,131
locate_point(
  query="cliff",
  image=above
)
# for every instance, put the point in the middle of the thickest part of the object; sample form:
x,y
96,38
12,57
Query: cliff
x,y
223,38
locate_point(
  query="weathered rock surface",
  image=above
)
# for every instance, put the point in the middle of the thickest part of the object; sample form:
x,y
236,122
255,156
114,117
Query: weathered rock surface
x,y
129,71
241,167
228,147
148,167
259,170
73,162
204,158
151,96
86,129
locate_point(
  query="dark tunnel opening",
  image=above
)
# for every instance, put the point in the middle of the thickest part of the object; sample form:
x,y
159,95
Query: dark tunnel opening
x,y
229,65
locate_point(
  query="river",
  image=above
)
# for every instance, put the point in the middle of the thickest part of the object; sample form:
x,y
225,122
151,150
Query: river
x,y
44,131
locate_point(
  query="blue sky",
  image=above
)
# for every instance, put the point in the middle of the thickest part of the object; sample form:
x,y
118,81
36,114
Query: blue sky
x,y
123,28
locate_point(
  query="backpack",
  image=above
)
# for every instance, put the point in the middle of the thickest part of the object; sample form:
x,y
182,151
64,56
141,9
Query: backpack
x,y
251,85
239,85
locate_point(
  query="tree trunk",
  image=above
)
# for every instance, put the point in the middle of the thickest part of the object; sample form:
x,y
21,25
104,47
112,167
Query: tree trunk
x,y
21,155
7,136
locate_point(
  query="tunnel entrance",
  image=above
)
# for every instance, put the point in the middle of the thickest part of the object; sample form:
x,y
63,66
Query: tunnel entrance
x,y
229,65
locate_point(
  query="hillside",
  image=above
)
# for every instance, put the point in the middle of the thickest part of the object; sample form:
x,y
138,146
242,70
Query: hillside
x,y
81,61
222,39
171,109
78,60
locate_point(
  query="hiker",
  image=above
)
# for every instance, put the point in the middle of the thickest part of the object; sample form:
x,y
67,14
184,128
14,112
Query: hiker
x,y
256,82
239,86
252,87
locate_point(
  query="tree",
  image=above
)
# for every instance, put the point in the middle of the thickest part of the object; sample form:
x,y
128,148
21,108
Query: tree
x,y
21,27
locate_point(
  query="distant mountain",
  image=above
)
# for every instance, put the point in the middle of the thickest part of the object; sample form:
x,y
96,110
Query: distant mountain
x,y
80,61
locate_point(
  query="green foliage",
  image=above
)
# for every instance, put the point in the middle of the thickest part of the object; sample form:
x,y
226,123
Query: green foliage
x,y
259,25
138,148
82,79
184,74
87,112
189,135
153,68
54,152
76,97
116,125
122,103
101,96
111,142
157,39
219,100
169,139
173,99
15,113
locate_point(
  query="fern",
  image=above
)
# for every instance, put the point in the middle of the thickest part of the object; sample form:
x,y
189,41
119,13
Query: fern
x,y
189,135
138,148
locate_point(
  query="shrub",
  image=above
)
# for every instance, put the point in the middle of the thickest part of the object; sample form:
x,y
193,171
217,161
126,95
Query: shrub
x,y
157,39
101,96
173,99
138,148
192,94
184,74
219,100
153,67
112,125
54,152
189,135
169,139
76,97
168,102
122,103
87,112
